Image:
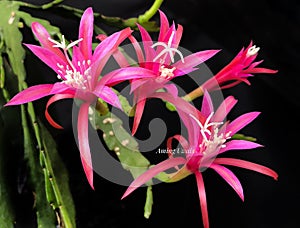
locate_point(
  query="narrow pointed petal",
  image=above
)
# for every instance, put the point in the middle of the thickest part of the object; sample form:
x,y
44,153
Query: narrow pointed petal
x,y
247,165
137,48
53,99
138,115
241,122
207,106
194,60
48,57
147,42
230,178
106,48
125,74
31,94
83,142
183,142
43,37
108,95
118,55
202,198
239,145
224,109
261,71
164,26
152,172
86,28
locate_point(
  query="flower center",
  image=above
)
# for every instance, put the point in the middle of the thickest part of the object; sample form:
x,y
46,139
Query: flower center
x,y
215,140
165,72
78,79
252,51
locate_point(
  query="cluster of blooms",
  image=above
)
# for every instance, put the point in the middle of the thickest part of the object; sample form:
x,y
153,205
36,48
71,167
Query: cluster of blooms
x,y
208,135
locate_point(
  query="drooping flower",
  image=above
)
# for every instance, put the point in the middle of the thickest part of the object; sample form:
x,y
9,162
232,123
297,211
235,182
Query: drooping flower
x,y
79,75
238,70
208,138
159,58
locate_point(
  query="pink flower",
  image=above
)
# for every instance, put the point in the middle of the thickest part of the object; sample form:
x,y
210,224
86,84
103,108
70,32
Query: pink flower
x,y
79,76
159,58
238,70
208,138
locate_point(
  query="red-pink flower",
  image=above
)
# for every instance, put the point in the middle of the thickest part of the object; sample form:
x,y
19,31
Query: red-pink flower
x,y
159,58
238,70
208,138
80,76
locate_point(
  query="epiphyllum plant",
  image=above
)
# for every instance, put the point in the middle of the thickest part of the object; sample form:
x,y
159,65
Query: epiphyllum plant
x,y
208,138
80,77
159,58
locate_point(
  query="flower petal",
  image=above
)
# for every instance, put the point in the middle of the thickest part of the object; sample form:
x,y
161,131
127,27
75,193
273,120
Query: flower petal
x,y
53,99
105,49
128,73
31,94
202,198
230,178
239,145
83,142
43,36
241,122
152,172
118,55
194,60
164,26
139,109
247,165
109,96
86,28
48,57
224,108
207,106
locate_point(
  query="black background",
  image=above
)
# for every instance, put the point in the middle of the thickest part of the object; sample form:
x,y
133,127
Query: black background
x,y
227,25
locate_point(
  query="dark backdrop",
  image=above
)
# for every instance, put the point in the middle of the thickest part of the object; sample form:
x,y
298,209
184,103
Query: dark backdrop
x,y
228,25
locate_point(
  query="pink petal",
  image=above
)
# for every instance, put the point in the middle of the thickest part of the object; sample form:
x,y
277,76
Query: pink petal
x,y
105,49
108,95
247,165
48,57
202,198
178,36
53,99
43,36
83,141
135,84
207,106
86,28
138,49
164,26
139,109
31,94
124,74
184,143
152,172
118,55
261,71
241,122
239,145
147,43
194,60
224,108
230,178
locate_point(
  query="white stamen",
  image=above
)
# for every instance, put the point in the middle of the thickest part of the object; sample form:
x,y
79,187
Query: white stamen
x,y
167,50
252,50
166,72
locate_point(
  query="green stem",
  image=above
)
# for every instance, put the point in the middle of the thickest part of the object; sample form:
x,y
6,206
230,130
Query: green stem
x,y
194,94
151,12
